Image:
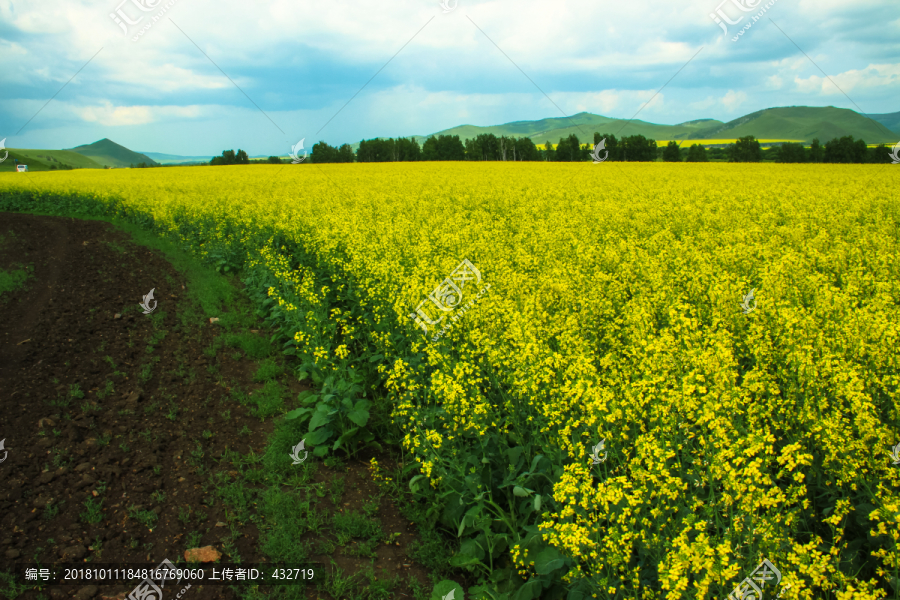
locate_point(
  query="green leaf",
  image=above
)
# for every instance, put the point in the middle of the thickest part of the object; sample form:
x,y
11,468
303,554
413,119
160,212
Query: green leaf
x,y
297,412
472,548
462,560
307,396
537,502
375,358
531,590
447,590
412,482
318,419
522,492
548,560
360,417
320,451
318,436
349,434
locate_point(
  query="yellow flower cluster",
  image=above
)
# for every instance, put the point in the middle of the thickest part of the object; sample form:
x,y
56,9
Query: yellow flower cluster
x,y
613,314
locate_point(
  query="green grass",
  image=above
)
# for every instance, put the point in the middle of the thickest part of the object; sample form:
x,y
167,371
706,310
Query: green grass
x,y
11,281
268,369
254,346
42,160
350,525
147,518
93,512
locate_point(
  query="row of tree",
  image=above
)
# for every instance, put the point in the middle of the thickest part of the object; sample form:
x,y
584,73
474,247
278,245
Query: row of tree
x,y
747,149
634,148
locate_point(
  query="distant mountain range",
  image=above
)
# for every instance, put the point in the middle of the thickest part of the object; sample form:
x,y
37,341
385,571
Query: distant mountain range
x,y
790,123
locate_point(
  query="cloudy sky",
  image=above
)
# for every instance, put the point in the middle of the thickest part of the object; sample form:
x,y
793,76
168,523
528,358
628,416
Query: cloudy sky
x,y
191,78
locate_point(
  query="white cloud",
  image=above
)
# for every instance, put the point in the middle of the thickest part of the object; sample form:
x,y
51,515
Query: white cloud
x,y
606,58
116,116
873,76
704,104
731,100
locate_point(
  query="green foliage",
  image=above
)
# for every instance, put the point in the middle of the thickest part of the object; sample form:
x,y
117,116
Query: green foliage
x,y
745,149
350,525
443,147
697,153
269,400
337,417
846,150
638,148
442,589
569,149
268,369
229,157
792,153
93,512
672,153
13,280
324,153
379,150
254,346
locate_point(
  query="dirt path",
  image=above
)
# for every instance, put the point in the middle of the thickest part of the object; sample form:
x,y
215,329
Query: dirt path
x,y
135,438
107,414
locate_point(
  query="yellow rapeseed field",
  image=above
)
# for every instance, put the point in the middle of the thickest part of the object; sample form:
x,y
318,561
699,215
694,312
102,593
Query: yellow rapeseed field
x,y
613,314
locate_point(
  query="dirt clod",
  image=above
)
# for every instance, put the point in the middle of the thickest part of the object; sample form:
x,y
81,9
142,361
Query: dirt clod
x,y
205,554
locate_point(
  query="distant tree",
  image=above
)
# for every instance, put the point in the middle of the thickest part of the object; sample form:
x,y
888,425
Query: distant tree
x,y
325,153
816,153
345,154
563,150
697,153
880,154
273,160
485,146
408,149
672,152
547,151
717,153
443,147
569,149
792,153
430,149
638,148
525,149
745,149
241,158
227,158
612,145
770,154
845,150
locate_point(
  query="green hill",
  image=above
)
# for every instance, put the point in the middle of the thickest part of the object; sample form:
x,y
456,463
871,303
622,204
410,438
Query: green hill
x,y
802,123
584,125
45,160
889,120
107,152
783,123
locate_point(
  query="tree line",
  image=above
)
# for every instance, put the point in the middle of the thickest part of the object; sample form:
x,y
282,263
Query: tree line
x,y
634,148
747,149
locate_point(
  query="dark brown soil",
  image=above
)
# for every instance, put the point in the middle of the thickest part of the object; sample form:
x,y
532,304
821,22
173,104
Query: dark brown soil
x,y
87,389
